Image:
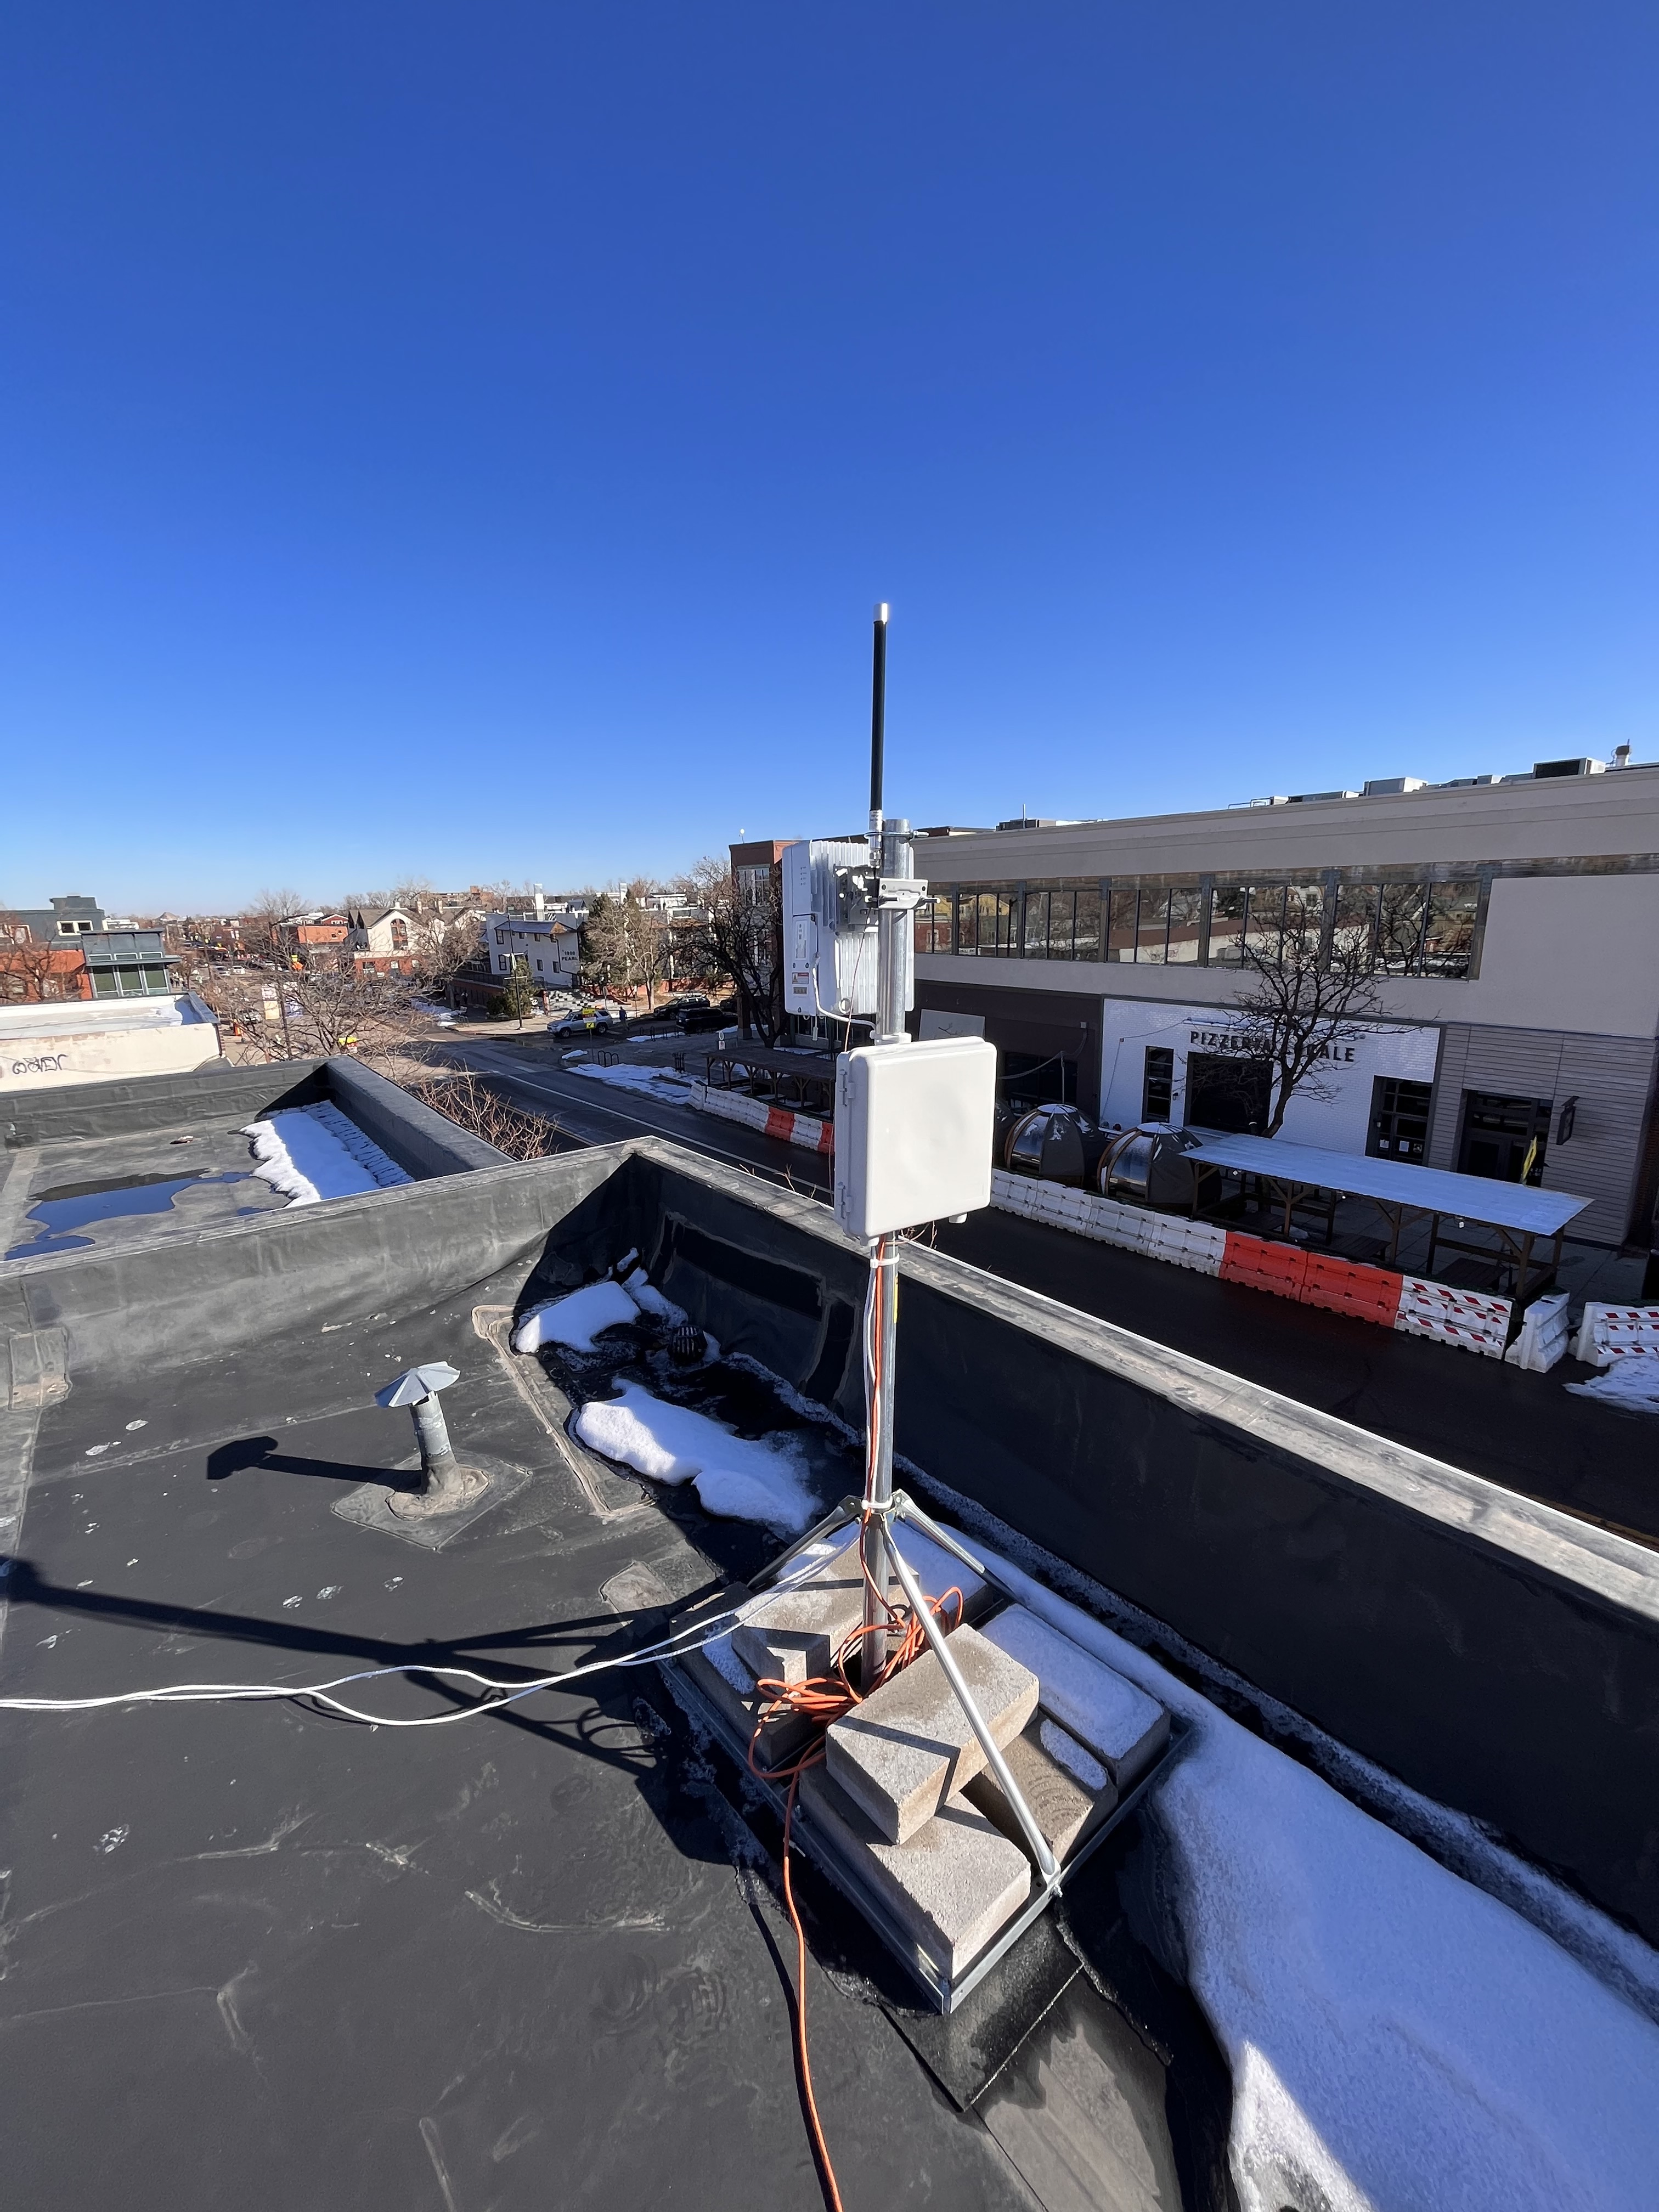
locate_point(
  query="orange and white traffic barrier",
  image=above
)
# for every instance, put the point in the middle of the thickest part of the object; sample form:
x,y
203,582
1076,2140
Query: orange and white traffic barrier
x,y
1473,1321
803,1129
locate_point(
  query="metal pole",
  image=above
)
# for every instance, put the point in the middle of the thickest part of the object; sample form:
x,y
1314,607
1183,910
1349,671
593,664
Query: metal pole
x,y
884,1265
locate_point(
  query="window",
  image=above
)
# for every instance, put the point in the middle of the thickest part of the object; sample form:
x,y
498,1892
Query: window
x,y
400,937
1355,929
987,918
933,920
1227,911
1062,921
1504,1137
1120,925
1399,1119
1448,933
1401,912
1152,927
1186,924
1304,918
1264,920
1157,1083
1230,1093
1029,1078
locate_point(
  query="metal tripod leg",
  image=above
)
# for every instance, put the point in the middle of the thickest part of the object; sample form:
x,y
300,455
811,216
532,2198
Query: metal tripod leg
x,y
1046,1862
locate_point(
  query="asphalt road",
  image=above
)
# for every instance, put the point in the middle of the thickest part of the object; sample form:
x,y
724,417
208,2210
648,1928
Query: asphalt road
x,y
532,1079
1520,1429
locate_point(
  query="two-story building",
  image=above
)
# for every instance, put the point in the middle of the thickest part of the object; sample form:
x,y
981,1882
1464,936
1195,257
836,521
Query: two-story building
x,y
1511,927
383,938
545,946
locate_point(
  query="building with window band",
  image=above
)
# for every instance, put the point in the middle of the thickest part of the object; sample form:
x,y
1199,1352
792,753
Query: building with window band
x,y
1512,930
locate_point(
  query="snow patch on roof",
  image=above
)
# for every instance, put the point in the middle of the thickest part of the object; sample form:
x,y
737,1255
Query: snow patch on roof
x,y
575,1320
736,1478
1397,2037
308,1153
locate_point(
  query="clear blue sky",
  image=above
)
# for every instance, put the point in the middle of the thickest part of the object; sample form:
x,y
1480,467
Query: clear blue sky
x,y
465,440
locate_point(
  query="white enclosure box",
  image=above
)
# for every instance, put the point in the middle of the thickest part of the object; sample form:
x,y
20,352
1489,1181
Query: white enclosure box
x,y
913,1133
827,969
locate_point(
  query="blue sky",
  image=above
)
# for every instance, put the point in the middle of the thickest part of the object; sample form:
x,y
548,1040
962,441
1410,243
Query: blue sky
x,y
466,442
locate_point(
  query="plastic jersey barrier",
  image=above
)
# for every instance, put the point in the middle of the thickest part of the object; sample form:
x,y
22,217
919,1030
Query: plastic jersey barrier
x,y
803,1129
1607,1333
1470,1321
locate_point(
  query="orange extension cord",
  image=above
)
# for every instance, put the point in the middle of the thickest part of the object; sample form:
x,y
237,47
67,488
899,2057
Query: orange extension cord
x,y
822,1700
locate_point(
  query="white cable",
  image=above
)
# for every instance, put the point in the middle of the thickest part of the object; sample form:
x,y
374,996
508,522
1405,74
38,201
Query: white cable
x,y
190,1693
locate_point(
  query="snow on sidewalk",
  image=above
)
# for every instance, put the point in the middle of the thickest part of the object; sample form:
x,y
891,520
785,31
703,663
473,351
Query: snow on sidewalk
x,y
1632,1381
308,1153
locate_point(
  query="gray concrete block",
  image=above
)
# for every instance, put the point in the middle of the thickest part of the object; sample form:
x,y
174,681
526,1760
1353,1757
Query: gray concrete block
x,y
910,1746
729,1685
792,1634
1124,1728
1068,1790
951,1886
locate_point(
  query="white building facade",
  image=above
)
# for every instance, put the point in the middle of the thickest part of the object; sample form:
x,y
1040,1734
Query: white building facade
x,y
1512,930
546,947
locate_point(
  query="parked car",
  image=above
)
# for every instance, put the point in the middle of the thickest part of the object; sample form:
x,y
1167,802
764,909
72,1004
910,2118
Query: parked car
x,y
702,1015
591,1020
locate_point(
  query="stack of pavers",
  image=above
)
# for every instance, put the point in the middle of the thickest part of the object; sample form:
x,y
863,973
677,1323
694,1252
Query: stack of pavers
x,y
905,1791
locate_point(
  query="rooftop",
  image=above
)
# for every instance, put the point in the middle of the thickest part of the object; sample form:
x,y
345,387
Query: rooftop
x,y
538,1956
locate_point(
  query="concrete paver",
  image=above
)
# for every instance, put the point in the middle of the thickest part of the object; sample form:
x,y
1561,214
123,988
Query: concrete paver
x,y
909,1745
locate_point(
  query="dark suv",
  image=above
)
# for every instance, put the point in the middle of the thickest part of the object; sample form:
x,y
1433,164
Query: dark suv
x,y
696,1013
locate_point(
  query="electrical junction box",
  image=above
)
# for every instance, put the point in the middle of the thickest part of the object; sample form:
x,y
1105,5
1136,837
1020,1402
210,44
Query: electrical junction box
x,y
913,1133
830,944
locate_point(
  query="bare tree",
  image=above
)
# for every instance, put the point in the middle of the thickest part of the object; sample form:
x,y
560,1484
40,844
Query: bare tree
x,y
737,940
261,924
1305,1000
30,968
443,948
336,1007
461,1098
